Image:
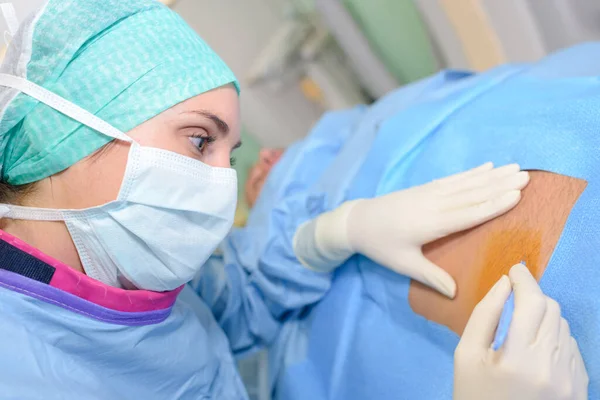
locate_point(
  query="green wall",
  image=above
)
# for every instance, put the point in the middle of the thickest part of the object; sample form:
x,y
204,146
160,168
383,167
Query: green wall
x,y
396,32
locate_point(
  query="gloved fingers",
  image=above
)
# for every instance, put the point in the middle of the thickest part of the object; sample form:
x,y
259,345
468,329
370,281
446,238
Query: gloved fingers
x,y
467,218
481,327
488,191
530,309
482,179
564,335
449,180
550,327
579,371
563,347
417,267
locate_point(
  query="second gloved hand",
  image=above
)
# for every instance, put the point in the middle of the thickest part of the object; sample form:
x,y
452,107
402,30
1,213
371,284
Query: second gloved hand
x,y
540,360
392,229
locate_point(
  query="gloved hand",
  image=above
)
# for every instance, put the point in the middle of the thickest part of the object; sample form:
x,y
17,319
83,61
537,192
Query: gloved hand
x,y
391,229
539,359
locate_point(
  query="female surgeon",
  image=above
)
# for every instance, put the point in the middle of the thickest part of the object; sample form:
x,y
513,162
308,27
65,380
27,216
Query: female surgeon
x,y
101,229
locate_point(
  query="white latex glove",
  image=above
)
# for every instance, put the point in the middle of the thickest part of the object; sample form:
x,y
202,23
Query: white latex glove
x,y
539,359
391,229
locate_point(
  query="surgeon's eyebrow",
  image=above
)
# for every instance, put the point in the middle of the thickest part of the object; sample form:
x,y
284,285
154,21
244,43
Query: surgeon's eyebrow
x,y
221,125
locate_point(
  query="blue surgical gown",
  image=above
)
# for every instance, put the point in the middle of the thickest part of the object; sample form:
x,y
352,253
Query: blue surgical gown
x,y
363,341
58,345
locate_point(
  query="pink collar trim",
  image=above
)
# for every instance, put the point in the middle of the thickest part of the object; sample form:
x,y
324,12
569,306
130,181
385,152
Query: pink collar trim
x,y
69,280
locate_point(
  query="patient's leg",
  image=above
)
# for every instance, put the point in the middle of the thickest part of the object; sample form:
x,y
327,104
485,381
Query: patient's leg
x,y
477,258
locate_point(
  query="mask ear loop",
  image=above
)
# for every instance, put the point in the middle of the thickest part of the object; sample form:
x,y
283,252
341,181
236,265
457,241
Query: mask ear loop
x,y
63,106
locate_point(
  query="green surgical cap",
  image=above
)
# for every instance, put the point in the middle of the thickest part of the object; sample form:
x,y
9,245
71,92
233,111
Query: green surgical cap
x,y
123,60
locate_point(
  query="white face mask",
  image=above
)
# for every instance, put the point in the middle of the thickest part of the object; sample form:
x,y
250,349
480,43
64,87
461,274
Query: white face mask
x,y
171,213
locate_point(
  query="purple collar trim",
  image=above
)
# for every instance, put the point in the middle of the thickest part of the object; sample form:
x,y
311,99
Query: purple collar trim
x,y
52,295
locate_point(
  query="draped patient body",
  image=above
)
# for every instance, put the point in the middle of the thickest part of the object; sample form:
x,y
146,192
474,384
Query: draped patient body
x,y
479,257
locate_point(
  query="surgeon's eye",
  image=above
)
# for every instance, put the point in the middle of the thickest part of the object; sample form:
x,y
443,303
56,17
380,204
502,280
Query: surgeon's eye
x,y
201,141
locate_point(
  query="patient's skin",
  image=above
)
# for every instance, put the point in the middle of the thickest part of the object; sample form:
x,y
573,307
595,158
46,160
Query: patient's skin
x,y
257,175
478,258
